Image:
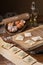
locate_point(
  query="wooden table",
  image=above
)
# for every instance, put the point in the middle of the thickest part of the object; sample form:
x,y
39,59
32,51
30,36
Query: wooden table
x,y
39,57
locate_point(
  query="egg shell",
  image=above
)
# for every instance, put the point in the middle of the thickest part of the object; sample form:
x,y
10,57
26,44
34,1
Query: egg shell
x,y
10,24
21,23
19,26
17,22
14,28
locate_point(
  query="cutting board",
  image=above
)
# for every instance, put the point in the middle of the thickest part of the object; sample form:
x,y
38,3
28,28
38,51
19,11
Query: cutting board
x,y
37,31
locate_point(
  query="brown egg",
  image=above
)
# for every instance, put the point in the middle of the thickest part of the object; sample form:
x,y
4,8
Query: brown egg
x,y
21,23
17,22
9,24
19,26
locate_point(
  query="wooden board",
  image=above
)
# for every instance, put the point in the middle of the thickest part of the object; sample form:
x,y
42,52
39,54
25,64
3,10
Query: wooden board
x,y
38,31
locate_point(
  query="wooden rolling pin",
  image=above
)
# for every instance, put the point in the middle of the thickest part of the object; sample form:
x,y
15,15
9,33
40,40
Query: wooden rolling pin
x,y
24,16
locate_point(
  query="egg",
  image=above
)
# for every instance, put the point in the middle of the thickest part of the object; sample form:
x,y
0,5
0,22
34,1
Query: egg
x,y
21,23
9,28
17,22
14,28
10,24
19,26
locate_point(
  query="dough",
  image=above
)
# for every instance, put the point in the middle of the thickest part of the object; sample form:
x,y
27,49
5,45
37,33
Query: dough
x,y
37,38
30,42
14,49
30,60
38,63
21,54
7,45
19,37
27,34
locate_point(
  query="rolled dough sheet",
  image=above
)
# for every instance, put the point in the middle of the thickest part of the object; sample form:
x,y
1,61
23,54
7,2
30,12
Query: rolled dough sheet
x,y
14,49
30,60
21,54
37,38
38,63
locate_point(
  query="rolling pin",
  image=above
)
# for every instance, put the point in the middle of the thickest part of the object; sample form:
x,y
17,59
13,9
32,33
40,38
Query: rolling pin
x,y
23,16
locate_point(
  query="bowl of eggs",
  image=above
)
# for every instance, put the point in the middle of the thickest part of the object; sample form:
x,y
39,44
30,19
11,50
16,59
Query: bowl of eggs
x,y
16,26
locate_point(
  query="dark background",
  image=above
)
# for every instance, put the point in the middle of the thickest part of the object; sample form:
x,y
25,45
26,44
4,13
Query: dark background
x,y
19,6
